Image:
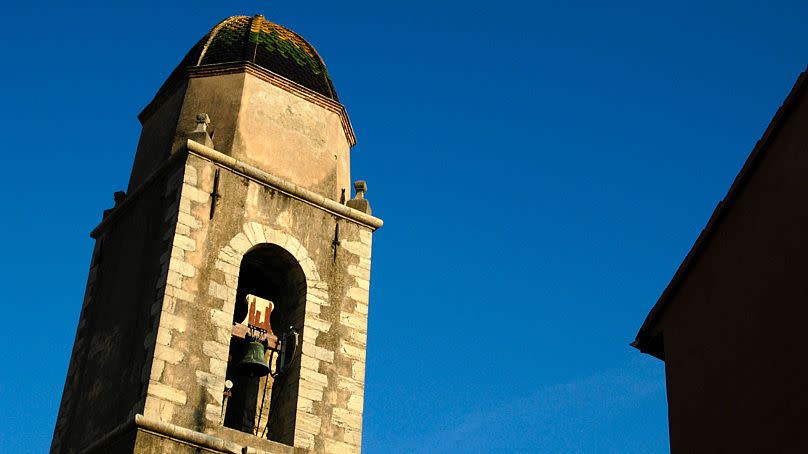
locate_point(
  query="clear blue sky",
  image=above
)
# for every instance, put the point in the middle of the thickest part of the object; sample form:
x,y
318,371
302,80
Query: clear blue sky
x,y
542,168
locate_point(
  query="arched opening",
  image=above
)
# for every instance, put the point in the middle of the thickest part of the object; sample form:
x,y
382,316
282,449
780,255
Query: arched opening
x,y
262,405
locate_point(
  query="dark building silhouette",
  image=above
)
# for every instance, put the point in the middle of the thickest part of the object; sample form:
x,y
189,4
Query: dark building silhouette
x,y
731,325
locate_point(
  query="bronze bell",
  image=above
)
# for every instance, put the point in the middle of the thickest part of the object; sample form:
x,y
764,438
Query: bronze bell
x,y
253,363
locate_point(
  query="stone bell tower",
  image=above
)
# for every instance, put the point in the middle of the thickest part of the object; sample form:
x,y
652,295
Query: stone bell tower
x,y
236,248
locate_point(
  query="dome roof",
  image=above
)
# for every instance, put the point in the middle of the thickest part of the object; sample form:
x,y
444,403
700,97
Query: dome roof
x,y
256,40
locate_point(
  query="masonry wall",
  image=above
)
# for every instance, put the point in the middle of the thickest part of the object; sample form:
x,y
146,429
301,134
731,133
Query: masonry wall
x,y
193,335
104,386
159,122
734,333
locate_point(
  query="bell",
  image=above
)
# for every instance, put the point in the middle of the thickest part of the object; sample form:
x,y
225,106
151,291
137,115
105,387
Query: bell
x,y
253,363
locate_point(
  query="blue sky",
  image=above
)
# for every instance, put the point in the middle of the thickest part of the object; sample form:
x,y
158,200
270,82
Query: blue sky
x,y
542,169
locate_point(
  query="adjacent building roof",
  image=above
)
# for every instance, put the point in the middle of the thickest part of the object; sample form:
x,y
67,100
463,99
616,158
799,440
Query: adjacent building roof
x,y
256,40
647,341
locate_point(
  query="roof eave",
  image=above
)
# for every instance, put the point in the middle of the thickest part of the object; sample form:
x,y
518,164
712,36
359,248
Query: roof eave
x,y
644,335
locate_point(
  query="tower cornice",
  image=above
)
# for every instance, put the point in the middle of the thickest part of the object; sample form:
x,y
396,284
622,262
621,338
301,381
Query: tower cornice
x,y
248,171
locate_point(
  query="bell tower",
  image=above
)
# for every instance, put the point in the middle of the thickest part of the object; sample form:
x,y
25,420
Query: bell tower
x,y
227,299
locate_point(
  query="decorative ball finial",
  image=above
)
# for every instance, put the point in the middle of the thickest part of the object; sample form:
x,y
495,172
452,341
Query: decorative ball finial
x,y
360,186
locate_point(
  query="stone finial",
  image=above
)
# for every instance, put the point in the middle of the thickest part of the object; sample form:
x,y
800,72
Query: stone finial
x,y
201,134
202,122
119,196
359,202
360,186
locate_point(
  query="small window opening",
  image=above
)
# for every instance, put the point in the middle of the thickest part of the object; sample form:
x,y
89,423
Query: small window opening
x,y
266,406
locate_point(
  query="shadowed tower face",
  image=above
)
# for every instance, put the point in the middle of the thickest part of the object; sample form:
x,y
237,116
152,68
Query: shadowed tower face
x,y
227,300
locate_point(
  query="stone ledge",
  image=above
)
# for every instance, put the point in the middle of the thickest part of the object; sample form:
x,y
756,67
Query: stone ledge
x,y
282,185
177,434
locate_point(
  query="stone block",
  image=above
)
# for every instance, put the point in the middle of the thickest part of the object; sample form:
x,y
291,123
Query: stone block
x,y
310,268
185,243
309,362
194,194
231,259
188,220
190,175
347,419
354,320
172,322
183,268
352,437
156,369
356,248
305,405
361,308
177,252
311,394
364,284
357,271
164,337
182,229
215,350
358,294
318,352
273,236
227,268
168,354
218,290
355,403
258,232
316,323
351,385
213,383
174,279
293,246
315,299
180,294
240,243
221,319
304,440
338,447
168,393
185,206
308,422
359,337
218,367
365,237
316,378
158,409
351,351
213,412
168,304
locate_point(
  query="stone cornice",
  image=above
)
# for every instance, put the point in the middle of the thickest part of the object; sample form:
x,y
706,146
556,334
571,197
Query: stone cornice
x,y
182,435
247,170
284,186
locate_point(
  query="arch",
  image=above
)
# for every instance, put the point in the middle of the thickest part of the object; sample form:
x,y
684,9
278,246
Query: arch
x,y
274,265
253,234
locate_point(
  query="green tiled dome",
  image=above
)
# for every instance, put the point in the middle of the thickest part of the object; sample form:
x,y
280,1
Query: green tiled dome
x,y
268,45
